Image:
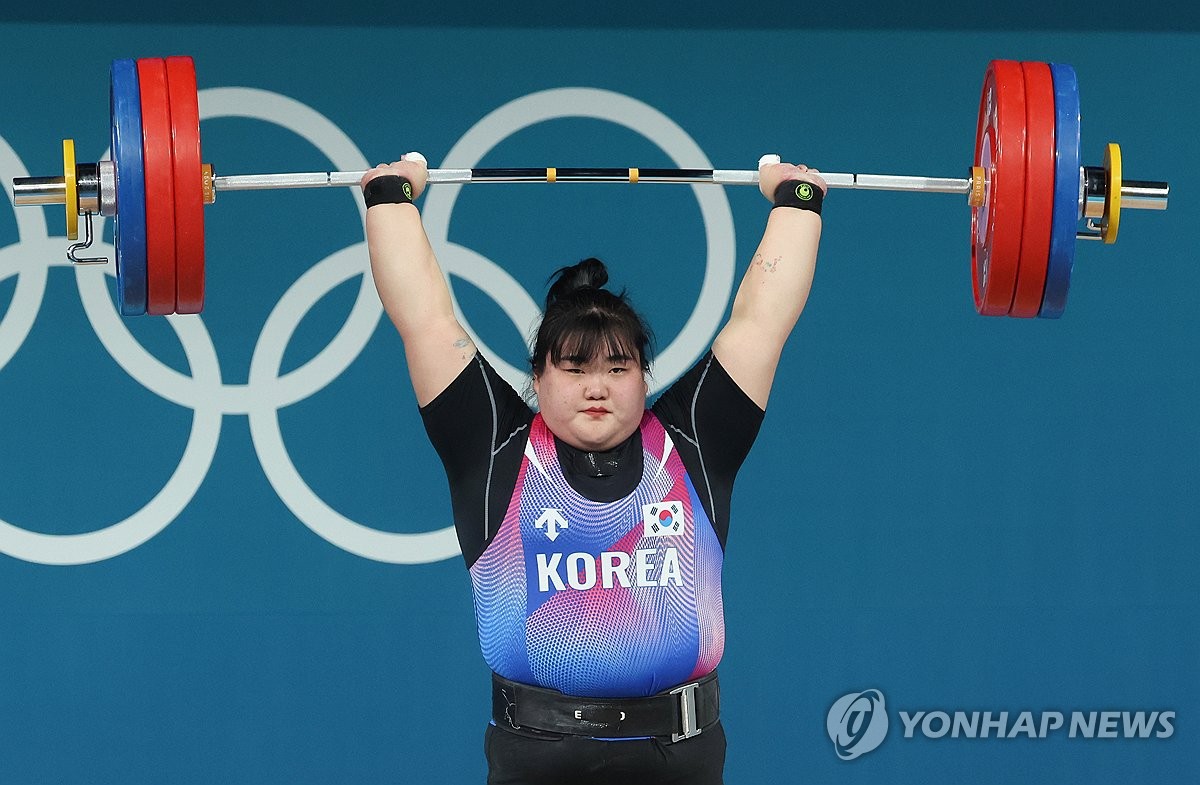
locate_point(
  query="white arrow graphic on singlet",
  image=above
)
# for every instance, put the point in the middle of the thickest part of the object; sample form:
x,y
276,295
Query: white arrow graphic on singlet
x,y
552,521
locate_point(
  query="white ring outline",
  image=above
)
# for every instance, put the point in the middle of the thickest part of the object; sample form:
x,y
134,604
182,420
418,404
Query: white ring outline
x,y
267,435
166,505
31,275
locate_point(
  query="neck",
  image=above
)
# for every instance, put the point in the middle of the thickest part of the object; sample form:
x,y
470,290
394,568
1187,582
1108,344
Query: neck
x,y
594,462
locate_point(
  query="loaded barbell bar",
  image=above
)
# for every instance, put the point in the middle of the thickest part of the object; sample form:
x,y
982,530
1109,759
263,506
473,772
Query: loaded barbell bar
x,y
1027,189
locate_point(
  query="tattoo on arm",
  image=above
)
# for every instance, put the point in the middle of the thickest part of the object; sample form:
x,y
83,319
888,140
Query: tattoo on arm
x,y
768,266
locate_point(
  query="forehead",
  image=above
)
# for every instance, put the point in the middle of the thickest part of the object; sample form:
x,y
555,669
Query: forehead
x,y
586,346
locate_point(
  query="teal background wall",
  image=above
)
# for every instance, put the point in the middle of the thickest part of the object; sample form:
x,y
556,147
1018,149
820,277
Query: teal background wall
x,y
965,514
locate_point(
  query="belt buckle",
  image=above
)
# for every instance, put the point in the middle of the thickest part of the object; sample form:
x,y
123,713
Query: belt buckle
x,y
687,711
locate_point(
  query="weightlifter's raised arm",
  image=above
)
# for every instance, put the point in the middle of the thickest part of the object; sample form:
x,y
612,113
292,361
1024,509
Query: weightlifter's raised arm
x,y
776,284
410,281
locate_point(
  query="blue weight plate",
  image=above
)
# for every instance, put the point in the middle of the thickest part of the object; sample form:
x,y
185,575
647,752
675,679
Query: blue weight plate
x,y
130,223
1065,218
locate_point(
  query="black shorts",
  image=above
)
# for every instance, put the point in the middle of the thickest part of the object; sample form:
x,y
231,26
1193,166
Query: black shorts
x,y
527,759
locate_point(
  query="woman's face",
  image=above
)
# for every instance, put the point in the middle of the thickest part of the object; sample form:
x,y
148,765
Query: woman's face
x,y
592,404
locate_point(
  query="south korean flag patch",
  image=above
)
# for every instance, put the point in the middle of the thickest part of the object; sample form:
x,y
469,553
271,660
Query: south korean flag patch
x,y
663,519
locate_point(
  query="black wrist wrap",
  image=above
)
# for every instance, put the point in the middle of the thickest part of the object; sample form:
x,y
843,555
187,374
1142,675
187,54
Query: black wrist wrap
x,y
388,189
799,194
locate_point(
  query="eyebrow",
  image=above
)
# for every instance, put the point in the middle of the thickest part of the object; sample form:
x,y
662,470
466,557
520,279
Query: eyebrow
x,y
579,359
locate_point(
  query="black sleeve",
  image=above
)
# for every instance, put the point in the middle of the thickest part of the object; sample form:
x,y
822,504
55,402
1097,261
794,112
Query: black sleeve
x,y
713,424
478,425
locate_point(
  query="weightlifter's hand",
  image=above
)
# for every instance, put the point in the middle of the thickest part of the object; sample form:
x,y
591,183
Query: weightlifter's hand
x,y
771,173
411,166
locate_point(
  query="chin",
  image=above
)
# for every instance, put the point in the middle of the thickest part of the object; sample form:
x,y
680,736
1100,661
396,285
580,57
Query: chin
x,y
608,440
589,442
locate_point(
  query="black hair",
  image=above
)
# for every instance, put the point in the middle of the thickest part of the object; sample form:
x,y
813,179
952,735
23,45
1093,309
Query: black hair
x,y
582,320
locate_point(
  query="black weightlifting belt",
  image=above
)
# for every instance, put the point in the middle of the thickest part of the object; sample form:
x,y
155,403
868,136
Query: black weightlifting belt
x,y
678,714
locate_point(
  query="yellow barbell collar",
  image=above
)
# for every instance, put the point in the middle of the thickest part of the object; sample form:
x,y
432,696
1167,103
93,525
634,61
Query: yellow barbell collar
x,y
72,189
1112,195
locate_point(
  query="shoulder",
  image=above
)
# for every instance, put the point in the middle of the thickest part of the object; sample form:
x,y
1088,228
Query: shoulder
x,y
706,389
478,401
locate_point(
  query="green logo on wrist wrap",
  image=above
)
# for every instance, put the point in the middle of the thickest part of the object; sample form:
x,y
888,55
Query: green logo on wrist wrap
x,y
804,192
408,191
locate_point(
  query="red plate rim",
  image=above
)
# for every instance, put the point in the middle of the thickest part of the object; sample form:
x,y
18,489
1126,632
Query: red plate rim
x,y
1040,153
189,185
160,186
995,257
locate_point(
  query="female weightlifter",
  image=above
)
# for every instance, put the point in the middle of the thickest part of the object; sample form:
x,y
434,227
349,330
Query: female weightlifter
x,y
594,528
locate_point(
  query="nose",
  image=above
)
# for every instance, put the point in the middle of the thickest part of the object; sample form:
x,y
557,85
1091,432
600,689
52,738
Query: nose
x,y
595,386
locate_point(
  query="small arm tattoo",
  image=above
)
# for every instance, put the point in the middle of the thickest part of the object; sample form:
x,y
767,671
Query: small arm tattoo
x,y
768,266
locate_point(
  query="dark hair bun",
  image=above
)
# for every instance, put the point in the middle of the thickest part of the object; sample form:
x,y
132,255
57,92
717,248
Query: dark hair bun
x,y
588,274
583,319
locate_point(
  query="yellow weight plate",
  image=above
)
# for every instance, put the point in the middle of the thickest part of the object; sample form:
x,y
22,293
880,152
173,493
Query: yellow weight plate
x,y
72,189
1112,195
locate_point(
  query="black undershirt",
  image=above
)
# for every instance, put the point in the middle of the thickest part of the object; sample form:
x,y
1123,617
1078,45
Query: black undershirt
x,y
603,476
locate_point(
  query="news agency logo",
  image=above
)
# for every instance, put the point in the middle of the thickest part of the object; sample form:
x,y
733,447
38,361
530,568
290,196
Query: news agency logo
x,y
857,723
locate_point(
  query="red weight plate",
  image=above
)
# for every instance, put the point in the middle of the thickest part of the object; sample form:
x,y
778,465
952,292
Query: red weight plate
x,y
189,185
1039,189
160,186
1000,150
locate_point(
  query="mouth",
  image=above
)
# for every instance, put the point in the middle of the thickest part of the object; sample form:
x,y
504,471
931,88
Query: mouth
x,y
596,410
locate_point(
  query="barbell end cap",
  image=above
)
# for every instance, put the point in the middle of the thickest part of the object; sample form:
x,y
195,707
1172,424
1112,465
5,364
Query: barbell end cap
x,y
978,183
206,181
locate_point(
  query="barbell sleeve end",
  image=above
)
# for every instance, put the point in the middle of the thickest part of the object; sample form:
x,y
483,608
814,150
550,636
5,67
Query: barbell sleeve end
x,y
1144,194
39,190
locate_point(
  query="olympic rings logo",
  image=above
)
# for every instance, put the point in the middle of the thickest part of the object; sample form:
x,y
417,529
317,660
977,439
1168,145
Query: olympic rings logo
x,y
266,390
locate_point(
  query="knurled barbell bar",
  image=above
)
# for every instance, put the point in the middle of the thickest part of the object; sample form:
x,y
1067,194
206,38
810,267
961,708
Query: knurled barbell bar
x,y
1027,189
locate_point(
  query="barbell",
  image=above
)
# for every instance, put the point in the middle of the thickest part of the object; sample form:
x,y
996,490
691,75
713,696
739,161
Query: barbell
x,y
1027,189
